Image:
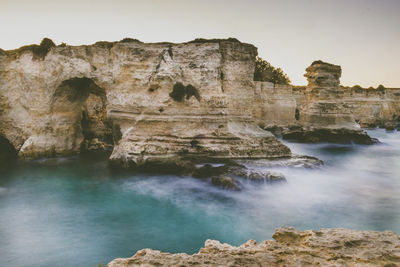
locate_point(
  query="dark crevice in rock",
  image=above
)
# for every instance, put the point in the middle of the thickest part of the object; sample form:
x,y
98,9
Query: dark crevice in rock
x,y
170,53
297,114
7,150
117,134
180,92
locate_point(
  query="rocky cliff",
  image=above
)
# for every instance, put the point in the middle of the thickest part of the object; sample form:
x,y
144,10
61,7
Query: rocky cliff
x,y
327,247
164,102
324,111
157,102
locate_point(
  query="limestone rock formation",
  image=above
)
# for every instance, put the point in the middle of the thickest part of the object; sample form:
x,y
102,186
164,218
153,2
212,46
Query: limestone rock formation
x,y
164,102
232,175
324,106
322,114
322,74
290,247
274,104
147,102
375,107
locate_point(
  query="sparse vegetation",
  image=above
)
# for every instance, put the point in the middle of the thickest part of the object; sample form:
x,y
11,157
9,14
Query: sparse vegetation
x,y
356,87
130,40
265,72
320,62
39,51
104,44
203,40
380,87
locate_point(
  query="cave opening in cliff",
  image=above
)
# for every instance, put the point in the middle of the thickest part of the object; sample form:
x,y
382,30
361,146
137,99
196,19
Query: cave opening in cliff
x,y
80,105
7,150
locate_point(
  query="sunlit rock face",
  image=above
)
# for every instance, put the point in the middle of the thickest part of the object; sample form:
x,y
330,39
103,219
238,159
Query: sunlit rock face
x,y
327,247
324,105
150,102
375,107
274,104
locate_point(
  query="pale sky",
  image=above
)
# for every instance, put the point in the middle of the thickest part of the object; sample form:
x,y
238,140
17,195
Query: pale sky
x,y
363,36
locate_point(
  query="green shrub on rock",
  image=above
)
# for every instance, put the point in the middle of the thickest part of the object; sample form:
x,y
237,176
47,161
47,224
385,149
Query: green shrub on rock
x,y
265,72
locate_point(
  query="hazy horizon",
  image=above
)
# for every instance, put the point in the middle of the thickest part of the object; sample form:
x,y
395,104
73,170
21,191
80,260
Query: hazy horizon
x,y
362,36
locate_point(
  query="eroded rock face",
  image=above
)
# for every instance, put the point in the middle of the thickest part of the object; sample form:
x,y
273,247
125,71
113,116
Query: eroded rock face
x,y
322,74
324,105
151,102
327,247
375,108
233,176
274,104
321,112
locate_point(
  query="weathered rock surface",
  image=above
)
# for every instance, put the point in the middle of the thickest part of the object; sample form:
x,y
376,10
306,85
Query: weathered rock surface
x,y
327,247
324,116
159,103
323,111
295,161
274,104
149,102
307,134
232,175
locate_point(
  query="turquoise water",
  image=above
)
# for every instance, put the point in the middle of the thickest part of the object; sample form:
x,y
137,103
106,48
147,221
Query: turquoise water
x,y
78,212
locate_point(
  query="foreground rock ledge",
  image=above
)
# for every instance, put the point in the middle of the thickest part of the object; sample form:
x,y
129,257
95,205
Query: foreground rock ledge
x,y
327,247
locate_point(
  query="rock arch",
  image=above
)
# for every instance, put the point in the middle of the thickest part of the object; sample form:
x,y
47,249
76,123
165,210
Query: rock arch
x,y
79,114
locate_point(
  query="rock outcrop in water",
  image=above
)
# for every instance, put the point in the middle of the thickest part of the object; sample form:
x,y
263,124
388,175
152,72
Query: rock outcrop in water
x,y
325,117
154,103
324,111
327,247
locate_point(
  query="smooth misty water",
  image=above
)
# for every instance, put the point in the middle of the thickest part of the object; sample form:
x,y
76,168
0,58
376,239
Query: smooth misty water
x,y
78,212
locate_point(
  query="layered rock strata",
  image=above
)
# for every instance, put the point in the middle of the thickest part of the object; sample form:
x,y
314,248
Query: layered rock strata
x,y
290,247
324,111
151,102
324,115
162,102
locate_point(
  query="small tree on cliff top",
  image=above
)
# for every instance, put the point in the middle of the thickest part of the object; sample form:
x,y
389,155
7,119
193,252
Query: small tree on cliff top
x,y
265,72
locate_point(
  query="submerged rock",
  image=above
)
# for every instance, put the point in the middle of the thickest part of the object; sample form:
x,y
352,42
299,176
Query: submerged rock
x,y
323,135
290,247
230,175
295,161
266,177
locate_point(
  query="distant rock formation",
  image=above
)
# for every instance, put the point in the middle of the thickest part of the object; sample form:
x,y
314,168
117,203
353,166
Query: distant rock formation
x,y
327,247
324,106
324,111
324,116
